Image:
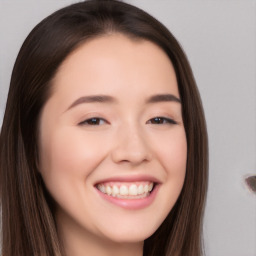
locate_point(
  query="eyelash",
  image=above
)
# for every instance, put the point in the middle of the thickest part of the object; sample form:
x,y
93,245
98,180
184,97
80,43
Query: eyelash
x,y
163,120
94,121
159,120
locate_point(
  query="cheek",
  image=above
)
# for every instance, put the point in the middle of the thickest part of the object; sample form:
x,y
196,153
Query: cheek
x,y
68,158
66,148
171,150
172,155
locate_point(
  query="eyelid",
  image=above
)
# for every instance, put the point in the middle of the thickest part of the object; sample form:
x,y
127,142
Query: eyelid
x,y
167,120
85,122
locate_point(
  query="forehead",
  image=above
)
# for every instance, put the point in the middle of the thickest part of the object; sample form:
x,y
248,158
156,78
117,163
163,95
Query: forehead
x,y
113,62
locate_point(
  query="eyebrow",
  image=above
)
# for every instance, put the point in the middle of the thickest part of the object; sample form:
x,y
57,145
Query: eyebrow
x,y
110,99
163,98
93,99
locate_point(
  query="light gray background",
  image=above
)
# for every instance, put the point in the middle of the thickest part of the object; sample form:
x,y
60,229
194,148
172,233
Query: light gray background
x,y
219,38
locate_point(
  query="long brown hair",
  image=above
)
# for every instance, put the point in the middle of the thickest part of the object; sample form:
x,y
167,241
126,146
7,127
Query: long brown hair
x,y
28,224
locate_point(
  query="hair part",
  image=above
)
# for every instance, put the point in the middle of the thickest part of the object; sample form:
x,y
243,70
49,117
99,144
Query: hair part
x,y
28,224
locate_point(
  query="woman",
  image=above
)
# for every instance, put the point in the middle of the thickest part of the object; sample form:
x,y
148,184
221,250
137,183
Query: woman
x,y
103,143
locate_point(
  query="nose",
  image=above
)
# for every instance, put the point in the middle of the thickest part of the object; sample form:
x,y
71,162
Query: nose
x,y
131,147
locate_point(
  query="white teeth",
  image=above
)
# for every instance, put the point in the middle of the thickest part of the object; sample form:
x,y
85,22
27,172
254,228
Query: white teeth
x,y
108,190
140,189
102,188
115,190
126,191
146,188
133,191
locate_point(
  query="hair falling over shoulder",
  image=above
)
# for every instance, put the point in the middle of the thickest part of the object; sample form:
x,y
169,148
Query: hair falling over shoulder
x,y
28,223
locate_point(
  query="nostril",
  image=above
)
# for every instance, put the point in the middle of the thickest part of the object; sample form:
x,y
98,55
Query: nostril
x,y
130,155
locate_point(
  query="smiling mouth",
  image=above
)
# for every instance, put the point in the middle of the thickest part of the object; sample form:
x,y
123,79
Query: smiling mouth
x,y
127,190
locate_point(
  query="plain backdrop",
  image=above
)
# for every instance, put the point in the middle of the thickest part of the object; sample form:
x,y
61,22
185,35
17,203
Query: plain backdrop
x,y
219,38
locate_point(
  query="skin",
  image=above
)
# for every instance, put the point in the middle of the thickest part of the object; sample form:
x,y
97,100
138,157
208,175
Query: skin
x,y
127,141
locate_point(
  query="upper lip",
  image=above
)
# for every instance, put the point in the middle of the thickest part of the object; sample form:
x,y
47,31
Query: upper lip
x,y
130,178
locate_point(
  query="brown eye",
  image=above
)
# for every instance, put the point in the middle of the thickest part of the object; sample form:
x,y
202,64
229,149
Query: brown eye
x,y
93,121
161,120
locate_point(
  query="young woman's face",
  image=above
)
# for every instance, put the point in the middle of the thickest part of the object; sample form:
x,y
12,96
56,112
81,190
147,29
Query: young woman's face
x,y
112,142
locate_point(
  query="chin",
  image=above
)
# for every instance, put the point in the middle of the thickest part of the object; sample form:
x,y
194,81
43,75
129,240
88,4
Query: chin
x,y
130,235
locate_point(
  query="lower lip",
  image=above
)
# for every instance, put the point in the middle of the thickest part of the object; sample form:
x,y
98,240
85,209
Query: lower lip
x,y
132,204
